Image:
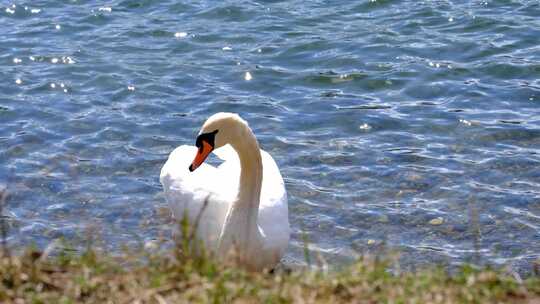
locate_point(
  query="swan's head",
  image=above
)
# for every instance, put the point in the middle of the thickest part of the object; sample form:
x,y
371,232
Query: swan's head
x,y
218,130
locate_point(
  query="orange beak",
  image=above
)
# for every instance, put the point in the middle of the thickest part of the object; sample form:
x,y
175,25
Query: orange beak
x,y
201,155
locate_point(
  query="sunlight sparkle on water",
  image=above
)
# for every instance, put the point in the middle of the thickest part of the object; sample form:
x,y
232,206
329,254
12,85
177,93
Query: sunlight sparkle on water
x,y
465,122
67,60
180,34
248,76
364,126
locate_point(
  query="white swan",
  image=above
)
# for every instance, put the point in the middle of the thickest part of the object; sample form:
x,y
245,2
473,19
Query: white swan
x,y
246,213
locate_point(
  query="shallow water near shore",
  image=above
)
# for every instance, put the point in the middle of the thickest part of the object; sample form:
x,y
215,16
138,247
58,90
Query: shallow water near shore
x,y
409,126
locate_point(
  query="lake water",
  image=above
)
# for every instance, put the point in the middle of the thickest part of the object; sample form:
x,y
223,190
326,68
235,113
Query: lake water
x,y
408,126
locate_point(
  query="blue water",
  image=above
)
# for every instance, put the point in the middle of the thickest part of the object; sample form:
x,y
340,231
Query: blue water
x,y
399,126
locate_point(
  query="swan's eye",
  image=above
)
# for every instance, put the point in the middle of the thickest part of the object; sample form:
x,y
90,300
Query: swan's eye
x,y
205,143
207,137
198,142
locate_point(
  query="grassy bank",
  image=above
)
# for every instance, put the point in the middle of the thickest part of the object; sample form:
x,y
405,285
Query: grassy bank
x,y
161,278
179,276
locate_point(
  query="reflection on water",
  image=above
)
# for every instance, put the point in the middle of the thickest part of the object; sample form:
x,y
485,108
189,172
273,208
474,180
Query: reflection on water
x,y
398,126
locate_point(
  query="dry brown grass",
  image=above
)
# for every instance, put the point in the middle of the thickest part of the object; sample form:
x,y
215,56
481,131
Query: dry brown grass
x,y
144,277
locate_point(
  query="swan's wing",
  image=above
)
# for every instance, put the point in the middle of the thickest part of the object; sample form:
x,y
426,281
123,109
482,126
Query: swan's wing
x,y
227,153
273,191
186,192
273,212
230,167
176,176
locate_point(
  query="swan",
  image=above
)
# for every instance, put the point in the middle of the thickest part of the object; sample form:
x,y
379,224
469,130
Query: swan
x,y
240,205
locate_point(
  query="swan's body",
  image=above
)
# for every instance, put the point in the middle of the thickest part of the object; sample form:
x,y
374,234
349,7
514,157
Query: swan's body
x,y
246,213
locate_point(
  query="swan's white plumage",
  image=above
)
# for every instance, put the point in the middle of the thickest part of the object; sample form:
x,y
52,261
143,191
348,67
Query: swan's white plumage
x,y
186,191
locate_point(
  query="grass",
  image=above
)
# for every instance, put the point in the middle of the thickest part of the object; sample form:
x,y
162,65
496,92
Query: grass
x,y
144,277
178,275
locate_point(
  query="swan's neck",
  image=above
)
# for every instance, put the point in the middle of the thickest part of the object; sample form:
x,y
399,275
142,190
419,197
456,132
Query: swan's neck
x,y
249,192
240,232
